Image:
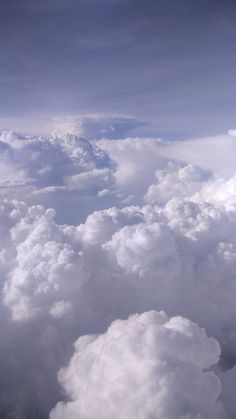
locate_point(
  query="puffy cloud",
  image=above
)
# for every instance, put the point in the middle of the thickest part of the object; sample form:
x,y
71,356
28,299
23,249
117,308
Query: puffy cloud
x,y
134,246
109,228
149,366
47,171
44,260
170,256
176,181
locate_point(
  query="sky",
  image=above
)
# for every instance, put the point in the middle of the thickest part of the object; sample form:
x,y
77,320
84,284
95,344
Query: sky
x,y
117,209
169,63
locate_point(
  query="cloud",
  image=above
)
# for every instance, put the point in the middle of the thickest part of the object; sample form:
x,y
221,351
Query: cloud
x,y
95,126
133,248
228,396
216,153
176,181
147,366
47,170
96,230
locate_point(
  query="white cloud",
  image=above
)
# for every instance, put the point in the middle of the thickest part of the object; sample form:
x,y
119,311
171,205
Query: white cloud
x,y
95,126
143,367
212,153
134,246
47,170
129,231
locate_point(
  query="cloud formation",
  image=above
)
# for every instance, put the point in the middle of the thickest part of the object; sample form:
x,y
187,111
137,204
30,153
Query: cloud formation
x,y
95,126
92,233
148,366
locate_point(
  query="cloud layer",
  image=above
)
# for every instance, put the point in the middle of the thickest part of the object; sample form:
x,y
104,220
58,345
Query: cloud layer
x,y
95,231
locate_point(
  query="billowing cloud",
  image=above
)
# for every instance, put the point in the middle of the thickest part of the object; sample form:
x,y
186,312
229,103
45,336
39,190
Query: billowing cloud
x,y
48,170
148,366
97,230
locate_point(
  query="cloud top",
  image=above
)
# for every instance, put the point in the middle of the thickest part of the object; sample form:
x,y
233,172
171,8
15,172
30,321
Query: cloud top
x,y
148,366
96,230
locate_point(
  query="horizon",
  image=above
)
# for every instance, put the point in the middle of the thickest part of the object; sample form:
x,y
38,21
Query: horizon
x,y
168,63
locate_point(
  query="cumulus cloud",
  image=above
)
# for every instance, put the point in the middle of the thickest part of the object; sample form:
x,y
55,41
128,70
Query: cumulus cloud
x,y
47,170
95,126
176,181
133,248
96,230
149,366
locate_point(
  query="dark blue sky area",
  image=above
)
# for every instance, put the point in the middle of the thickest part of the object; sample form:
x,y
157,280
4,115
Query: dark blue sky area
x,y
170,62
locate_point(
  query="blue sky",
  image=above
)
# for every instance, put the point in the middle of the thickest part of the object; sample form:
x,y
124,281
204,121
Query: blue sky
x,y
168,62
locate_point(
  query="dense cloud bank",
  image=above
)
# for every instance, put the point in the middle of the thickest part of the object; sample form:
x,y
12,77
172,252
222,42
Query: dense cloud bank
x,y
96,231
